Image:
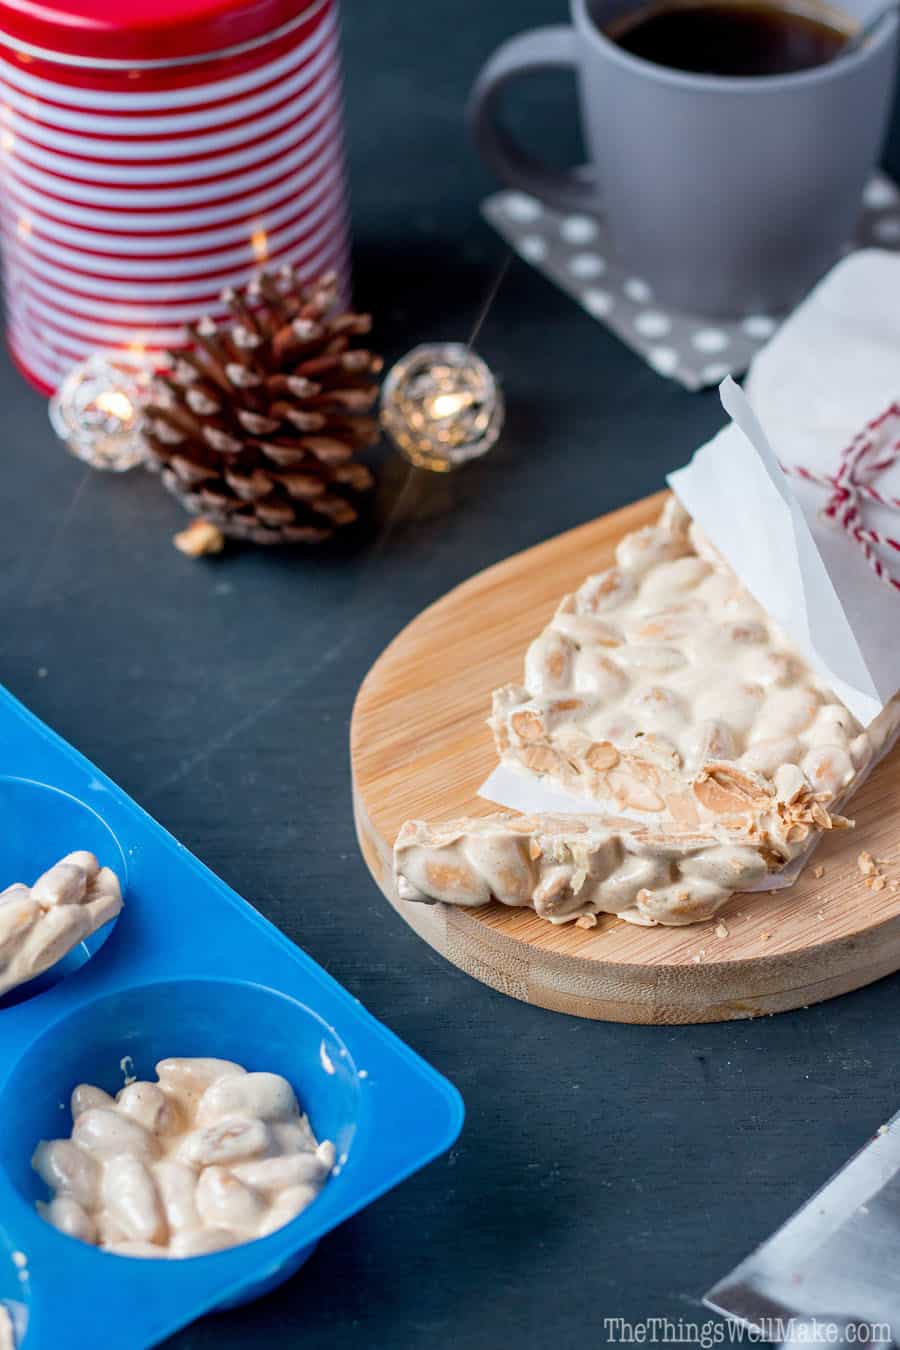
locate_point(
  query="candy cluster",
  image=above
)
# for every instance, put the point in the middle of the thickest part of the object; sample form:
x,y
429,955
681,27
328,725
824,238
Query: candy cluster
x,y
39,924
207,1157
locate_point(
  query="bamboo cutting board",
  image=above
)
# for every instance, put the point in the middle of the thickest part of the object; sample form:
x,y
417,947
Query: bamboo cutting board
x,y
420,748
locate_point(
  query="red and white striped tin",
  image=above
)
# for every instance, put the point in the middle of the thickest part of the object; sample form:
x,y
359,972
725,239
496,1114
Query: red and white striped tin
x,y
153,152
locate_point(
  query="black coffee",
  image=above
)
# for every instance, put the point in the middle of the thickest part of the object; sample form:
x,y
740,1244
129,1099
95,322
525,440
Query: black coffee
x,y
729,37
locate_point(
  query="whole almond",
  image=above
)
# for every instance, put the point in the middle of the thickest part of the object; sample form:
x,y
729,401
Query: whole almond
x,y
601,755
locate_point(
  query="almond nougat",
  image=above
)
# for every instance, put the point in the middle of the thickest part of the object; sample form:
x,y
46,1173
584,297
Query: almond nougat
x,y
40,924
665,693
566,868
662,687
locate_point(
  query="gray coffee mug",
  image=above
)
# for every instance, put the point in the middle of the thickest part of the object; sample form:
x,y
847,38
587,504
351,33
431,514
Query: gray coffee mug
x,y
728,195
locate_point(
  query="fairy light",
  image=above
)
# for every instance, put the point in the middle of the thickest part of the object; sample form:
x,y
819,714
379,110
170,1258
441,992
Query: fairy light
x,y
448,405
441,406
116,403
259,242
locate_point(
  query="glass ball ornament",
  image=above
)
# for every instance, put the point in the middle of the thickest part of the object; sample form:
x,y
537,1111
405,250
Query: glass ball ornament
x,y
96,411
441,406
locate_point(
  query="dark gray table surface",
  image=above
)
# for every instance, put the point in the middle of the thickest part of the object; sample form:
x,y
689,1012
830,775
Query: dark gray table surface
x,y
604,1171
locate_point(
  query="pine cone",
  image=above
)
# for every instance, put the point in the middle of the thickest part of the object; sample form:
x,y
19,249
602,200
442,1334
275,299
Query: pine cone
x,y
257,427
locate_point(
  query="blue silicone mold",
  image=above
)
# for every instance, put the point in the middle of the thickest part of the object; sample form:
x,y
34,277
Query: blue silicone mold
x,y
188,968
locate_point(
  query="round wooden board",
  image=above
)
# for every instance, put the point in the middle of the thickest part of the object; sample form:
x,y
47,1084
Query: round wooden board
x,y
420,748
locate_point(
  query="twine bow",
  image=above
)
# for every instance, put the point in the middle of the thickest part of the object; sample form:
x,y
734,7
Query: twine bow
x,y
870,453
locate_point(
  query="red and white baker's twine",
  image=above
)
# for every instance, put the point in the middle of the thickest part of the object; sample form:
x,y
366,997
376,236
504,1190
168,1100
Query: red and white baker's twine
x,y
870,453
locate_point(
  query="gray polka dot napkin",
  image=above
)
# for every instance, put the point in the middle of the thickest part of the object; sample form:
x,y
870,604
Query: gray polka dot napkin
x,y
573,251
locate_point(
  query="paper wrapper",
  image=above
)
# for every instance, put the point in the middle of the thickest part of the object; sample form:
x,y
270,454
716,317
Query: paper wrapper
x,y
831,368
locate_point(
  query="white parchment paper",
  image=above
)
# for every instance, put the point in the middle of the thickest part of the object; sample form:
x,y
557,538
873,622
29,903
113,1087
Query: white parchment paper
x,y
833,367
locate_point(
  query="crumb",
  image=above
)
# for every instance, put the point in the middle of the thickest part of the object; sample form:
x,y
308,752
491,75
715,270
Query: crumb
x,y
820,916
698,956
200,537
586,921
818,872
764,937
878,883
866,864
895,885
882,1129
42,672
722,929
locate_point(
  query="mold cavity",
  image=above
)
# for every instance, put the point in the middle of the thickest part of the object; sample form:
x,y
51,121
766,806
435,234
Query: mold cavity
x,y
39,825
225,1019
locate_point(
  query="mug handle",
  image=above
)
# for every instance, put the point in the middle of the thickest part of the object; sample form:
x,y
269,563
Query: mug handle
x,y
539,49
